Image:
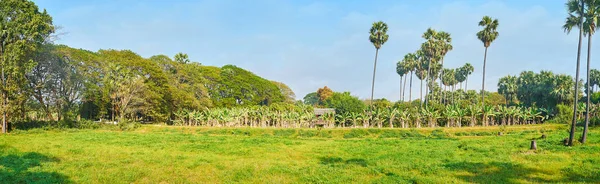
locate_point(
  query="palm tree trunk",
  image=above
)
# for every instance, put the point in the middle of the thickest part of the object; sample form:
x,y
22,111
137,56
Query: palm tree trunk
x,y
373,82
441,76
483,84
466,83
587,103
404,88
410,87
421,91
572,132
4,103
428,79
400,89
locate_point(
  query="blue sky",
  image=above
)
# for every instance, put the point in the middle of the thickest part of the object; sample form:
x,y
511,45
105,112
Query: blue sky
x,y
311,44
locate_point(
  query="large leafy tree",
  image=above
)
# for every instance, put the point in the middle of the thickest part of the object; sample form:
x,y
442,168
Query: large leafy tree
x,y
378,36
22,29
287,92
575,18
311,99
323,94
507,86
486,36
344,103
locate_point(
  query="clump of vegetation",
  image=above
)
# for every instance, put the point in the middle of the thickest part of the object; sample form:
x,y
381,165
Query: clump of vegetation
x,y
284,132
356,133
126,125
438,133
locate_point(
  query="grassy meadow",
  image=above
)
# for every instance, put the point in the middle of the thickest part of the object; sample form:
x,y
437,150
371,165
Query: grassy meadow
x,y
160,154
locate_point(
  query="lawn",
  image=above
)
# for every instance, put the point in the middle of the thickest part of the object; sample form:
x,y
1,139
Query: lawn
x,y
160,154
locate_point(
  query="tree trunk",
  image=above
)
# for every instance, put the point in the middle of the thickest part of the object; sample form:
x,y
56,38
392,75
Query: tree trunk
x,y
533,145
428,79
410,87
421,91
373,82
404,89
441,78
587,103
400,89
483,84
466,83
4,102
573,123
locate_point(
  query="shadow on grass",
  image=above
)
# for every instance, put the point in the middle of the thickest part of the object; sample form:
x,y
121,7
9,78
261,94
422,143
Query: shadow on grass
x,y
24,168
338,160
502,172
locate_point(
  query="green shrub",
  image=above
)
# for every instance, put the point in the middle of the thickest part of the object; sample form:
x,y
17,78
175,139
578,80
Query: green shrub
x,y
412,133
50,125
325,134
127,125
307,133
390,134
356,133
564,114
284,132
438,133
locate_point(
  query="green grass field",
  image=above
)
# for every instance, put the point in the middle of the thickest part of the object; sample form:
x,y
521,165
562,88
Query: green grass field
x,y
159,154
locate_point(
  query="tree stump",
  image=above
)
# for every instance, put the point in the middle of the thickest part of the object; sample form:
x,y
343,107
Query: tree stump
x,y
533,145
500,133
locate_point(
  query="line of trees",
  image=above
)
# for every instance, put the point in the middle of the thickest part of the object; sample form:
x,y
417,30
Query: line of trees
x,y
41,81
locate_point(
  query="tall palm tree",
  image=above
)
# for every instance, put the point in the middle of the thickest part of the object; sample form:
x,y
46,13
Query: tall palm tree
x,y
445,80
378,36
575,18
436,46
445,46
407,68
401,70
421,73
469,70
411,65
592,20
487,36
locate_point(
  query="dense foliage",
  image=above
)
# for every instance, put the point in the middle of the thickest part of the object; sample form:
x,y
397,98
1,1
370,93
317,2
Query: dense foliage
x,y
67,83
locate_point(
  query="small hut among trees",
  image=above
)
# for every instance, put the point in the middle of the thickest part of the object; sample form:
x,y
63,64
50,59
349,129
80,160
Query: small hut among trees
x,y
324,117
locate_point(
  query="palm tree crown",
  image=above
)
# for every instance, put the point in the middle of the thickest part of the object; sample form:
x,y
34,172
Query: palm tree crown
x,y
591,19
378,34
489,33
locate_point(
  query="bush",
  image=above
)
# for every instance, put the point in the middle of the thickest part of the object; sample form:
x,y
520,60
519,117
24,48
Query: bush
x,y
49,125
564,114
127,125
438,133
284,133
356,133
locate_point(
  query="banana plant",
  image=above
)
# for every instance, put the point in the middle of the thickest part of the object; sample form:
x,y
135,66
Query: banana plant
x,y
451,115
402,117
460,114
473,112
392,113
488,112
